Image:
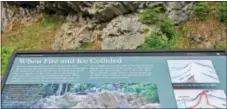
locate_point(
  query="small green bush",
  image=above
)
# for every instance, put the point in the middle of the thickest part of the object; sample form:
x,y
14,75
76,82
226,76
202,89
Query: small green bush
x,y
166,39
151,93
154,41
146,90
221,45
200,10
167,28
222,16
6,53
151,15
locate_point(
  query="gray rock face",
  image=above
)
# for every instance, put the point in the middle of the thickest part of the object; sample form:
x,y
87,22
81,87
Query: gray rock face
x,y
75,32
13,13
178,11
104,99
100,11
122,33
115,22
178,16
105,11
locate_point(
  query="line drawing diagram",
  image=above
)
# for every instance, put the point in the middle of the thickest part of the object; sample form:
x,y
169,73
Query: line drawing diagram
x,y
192,71
201,98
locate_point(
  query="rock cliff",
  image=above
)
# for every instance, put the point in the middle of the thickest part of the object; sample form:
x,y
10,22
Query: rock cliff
x,y
104,99
110,25
105,11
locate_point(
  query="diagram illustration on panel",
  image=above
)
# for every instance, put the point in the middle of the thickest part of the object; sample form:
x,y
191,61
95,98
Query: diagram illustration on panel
x,y
200,98
192,71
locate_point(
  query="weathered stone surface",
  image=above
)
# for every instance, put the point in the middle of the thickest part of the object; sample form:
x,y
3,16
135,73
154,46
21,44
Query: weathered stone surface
x,y
178,16
114,23
174,5
122,33
178,11
14,16
105,11
73,35
104,99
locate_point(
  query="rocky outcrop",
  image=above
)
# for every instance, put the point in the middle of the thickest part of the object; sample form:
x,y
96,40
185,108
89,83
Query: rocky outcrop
x,y
123,32
179,11
105,11
75,32
14,17
115,24
99,11
104,99
120,32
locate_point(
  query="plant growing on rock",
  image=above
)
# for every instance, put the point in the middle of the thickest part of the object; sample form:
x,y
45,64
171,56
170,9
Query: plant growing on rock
x,y
222,16
151,15
221,45
167,37
200,10
154,41
151,93
167,27
6,53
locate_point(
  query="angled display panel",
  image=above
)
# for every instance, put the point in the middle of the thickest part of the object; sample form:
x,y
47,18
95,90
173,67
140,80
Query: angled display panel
x,y
116,79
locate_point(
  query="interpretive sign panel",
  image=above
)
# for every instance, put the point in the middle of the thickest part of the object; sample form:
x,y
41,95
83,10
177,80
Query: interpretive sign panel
x,y
116,79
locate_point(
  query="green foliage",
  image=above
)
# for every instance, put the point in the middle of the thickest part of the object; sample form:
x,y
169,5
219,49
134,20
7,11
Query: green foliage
x,y
149,91
200,10
174,41
6,53
154,41
166,39
11,36
221,45
222,15
167,27
81,87
85,46
136,88
39,36
151,15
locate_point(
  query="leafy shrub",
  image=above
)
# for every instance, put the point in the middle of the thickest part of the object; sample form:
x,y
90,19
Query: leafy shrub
x,y
153,41
151,15
222,15
85,46
167,27
146,90
200,10
150,93
221,45
166,39
6,53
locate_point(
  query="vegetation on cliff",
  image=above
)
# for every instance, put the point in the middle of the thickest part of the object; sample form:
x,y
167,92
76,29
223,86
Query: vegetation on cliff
x,y
207,21
37,36
205,28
